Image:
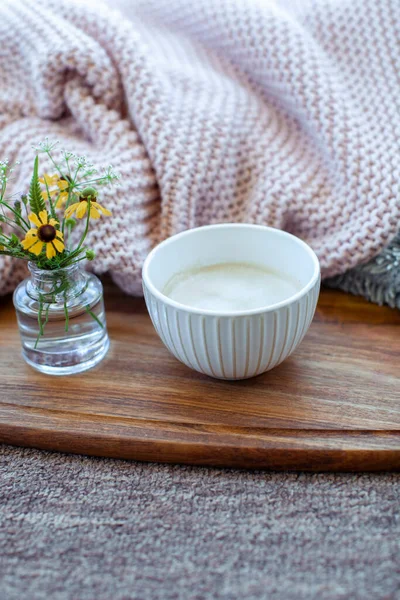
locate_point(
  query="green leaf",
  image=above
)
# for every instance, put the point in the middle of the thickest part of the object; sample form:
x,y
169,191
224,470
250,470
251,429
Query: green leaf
x,y
14,241
36,201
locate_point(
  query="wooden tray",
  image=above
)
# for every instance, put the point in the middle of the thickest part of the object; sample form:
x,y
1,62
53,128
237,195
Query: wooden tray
x,y
334,405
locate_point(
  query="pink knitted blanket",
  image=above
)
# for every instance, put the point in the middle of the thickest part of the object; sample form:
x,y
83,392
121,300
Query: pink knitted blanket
x,y
283,113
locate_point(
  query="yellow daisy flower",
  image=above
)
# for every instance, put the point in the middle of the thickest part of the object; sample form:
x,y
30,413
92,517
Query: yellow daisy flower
x,y
80,208
46,234
50,180
61,183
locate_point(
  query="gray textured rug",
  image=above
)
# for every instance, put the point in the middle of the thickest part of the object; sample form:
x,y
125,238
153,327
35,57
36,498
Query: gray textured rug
x,y
82,528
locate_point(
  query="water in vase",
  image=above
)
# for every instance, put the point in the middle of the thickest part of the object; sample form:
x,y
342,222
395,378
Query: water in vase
x,y
52,343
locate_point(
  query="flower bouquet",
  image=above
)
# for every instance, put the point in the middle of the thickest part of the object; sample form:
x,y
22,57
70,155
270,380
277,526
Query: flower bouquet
x,y
60,308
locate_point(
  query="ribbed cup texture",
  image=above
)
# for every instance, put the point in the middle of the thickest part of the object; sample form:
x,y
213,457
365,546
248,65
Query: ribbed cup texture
x,y
233,347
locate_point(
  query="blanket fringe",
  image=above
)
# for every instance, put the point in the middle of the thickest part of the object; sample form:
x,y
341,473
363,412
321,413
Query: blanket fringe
x,y
378,280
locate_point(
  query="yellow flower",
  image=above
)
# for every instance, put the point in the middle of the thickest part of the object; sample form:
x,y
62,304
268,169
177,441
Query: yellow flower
x,y
50,180
61,188
46,234
80,208
62,184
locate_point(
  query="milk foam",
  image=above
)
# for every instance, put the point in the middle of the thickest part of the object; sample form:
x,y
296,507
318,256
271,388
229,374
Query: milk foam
x,y
230,287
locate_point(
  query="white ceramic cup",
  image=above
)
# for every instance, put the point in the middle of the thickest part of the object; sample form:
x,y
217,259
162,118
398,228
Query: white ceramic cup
x,y
241,344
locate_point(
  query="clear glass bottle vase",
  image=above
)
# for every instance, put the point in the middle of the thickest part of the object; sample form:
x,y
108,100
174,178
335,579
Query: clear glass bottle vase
x,y
61,320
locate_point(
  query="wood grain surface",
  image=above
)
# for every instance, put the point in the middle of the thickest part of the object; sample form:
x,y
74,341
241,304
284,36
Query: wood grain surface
x,y
333,405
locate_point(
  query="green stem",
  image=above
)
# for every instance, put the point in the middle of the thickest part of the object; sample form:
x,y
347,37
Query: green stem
x,y
16,255
52,209
87,226
54,163
39,322
46,318
2,203
63,221
78,168
5,237
88,181
66,206
66,312
80,259
71,187
12,224
70,258
94,316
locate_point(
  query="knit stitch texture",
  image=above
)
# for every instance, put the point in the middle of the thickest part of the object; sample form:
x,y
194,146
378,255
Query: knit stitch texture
x,y
281,113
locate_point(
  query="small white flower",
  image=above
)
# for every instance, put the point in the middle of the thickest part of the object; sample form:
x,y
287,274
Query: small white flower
x,y
45,145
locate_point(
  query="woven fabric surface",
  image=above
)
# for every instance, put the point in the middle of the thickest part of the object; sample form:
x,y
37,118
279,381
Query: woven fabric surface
x,y
272,112
76,528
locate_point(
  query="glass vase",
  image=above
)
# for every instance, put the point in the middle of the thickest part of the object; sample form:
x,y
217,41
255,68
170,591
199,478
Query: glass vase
x,y
61,320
